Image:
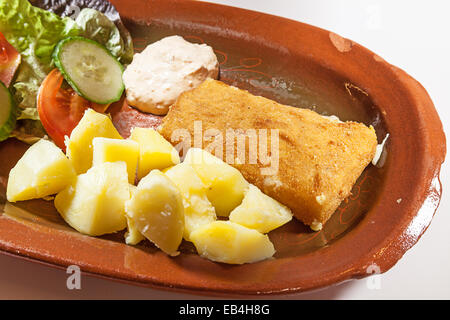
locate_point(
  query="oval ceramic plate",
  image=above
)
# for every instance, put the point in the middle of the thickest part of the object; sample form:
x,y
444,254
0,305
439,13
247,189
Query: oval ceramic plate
x,y
298,65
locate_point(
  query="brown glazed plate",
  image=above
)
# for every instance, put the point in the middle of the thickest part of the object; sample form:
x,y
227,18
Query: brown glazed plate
x,y
295,64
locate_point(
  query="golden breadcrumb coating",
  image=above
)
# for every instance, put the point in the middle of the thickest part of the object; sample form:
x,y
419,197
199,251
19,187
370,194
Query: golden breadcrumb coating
x,y
319,159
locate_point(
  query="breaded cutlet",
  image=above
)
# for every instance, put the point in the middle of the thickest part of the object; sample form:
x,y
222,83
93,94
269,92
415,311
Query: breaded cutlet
x,y
319,159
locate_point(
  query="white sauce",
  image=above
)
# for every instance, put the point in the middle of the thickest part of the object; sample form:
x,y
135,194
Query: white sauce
x,y
164,70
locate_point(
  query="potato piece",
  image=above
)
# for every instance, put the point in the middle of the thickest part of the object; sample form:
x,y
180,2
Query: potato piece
x,y
132,236
260,212
42,171
79,146
156,208
94,204
229,242
198,210
155,151
225,185
112,150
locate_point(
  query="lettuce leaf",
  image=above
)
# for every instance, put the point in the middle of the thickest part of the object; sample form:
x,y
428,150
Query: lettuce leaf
x,y
29,131
97,26
72,8
35,32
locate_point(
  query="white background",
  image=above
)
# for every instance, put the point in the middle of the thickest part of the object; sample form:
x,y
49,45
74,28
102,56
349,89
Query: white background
x,y
411,34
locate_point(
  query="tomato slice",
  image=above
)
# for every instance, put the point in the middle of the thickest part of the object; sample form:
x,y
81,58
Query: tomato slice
x,y
9,61
60,108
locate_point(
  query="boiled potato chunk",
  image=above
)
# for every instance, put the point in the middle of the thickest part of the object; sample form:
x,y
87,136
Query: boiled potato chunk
x,y
94,204
229,242
198,210
42,171
155,151
112,150
260,212
79,145
156,208
132,236
225,185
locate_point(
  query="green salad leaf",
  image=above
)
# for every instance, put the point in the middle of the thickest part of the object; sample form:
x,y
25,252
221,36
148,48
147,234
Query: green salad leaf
x,y
35,32
96,26
72,8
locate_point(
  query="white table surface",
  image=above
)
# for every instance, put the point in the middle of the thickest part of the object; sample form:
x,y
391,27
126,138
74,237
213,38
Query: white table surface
x,y
410,34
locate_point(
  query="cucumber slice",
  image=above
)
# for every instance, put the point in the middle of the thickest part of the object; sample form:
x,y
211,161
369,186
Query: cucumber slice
x,y
91,70
7,113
